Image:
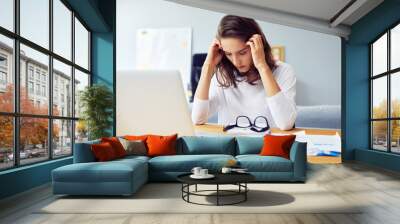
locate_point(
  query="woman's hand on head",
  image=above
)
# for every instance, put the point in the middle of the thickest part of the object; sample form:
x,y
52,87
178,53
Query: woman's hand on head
x,y
215,54
257,51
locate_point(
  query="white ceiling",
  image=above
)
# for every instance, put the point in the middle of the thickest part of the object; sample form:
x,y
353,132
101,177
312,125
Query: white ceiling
x,y
320,9
325,16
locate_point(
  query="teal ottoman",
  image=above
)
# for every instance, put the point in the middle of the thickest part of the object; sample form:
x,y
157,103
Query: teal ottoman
x,y
118,177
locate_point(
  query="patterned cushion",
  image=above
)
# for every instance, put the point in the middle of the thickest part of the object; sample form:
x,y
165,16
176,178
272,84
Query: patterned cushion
x,y
134,147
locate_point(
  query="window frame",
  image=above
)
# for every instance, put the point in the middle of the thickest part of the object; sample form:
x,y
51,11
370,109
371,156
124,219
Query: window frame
x,y
15,72
3,70
388,74
3,77
5,58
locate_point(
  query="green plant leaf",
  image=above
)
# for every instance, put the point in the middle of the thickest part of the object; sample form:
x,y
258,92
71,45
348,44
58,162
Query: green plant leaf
x,y
96,102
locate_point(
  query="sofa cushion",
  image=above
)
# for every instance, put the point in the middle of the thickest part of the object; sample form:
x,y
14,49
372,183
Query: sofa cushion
x,y
257,163
112,171
136,137
185,163
134,147
159,145
131,158
277,145
198,145
83,152
249,145
116,145
103,152
142,138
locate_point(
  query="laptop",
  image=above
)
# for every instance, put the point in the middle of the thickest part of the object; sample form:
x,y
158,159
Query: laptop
x,y
152,102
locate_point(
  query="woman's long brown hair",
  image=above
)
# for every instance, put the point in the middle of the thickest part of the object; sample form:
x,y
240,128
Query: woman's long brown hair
x,y
242,28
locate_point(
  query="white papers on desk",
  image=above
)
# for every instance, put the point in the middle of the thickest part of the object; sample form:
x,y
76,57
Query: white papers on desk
x,y
324,145
246,132
321,145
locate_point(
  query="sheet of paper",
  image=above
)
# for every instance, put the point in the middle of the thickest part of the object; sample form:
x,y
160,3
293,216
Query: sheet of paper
x,y
246,132
320,145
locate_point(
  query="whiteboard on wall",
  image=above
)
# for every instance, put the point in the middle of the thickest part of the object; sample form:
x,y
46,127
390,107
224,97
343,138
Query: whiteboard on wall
x,y
165,48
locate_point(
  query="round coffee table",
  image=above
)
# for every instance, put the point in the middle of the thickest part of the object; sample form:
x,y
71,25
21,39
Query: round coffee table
x,y
238,179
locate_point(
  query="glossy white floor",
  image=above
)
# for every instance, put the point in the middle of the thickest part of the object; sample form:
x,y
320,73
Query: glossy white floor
x,y
377,188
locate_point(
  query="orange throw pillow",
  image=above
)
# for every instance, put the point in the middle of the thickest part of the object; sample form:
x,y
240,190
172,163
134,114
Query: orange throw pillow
x,y
103,152
161,145
275,145
116,145
136,137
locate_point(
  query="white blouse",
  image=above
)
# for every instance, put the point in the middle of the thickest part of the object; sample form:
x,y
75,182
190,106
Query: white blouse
x,y
251,101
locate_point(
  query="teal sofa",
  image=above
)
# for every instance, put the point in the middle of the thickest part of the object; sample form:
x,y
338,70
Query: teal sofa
x,y
125,176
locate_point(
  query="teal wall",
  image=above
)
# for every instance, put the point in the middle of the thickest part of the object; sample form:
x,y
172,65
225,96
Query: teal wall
x,y
381,159
102,63
356,89
24,178
94,13
104,51
357,99
99,16
102,58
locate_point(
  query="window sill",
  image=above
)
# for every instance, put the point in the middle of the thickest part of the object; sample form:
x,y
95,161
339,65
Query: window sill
x,y
25,167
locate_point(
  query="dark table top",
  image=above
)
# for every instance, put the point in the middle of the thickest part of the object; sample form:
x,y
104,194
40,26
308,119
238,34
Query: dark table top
x,y
220,178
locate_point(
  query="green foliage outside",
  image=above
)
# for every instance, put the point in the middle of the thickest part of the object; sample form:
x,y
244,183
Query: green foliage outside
x,y
380,127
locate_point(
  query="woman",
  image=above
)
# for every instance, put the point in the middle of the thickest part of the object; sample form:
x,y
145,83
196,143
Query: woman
x,y
247,81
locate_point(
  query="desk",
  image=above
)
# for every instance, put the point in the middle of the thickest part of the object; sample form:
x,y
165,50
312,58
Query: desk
x,y
218,130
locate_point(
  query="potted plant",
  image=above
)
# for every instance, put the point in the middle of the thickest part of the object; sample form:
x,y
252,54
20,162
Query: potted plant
x,y
96,102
